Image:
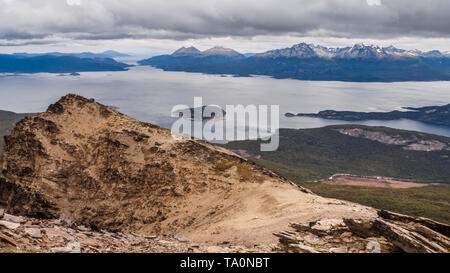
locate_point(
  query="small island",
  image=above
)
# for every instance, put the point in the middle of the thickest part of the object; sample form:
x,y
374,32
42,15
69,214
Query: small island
x,y
437,115
205,112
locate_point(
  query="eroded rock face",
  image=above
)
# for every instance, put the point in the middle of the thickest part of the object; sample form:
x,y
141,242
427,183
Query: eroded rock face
x,y
108,171
390,232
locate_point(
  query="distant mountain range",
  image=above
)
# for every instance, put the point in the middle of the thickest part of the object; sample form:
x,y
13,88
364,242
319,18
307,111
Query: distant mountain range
x,y
107,54
313,62
217,51
60,62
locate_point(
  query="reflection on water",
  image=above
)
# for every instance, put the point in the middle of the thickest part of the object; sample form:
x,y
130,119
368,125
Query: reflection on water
x,y
149,94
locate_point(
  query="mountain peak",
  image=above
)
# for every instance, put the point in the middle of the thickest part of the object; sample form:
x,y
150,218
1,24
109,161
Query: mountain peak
x,y
186,51
359,50
221,51
105,170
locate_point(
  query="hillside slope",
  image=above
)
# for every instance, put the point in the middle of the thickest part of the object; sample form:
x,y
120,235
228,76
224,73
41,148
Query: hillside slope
x,y
311,156
105,170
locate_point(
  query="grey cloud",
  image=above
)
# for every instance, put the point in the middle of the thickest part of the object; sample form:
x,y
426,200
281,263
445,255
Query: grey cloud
x,y
25,43
170,19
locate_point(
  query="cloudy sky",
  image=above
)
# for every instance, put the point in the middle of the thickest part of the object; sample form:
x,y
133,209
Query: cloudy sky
x,y
150,27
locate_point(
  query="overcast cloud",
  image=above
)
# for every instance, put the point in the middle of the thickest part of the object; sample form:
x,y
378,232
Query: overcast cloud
x,y
181,20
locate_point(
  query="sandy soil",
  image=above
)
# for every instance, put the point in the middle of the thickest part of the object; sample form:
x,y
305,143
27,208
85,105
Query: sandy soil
x,y
250,215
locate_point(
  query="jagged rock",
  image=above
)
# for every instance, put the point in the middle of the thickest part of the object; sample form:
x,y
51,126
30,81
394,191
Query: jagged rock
x,y
14,219
339,250
394,233
33,232
56,232
325,226
9,225
7,239
72,247
300,248
438,227
54,236
2,212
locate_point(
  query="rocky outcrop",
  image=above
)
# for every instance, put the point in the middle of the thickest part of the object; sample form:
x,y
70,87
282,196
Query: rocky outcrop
x,y
31,235
106,170
110,177
390,232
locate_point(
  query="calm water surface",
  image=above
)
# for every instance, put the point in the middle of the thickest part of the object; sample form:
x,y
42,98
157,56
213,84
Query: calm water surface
x,y
149,94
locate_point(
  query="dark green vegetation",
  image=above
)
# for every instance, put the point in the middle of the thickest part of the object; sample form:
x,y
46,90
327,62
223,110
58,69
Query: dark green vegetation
x,y
7,121
439,115
314,154
431,202
57,64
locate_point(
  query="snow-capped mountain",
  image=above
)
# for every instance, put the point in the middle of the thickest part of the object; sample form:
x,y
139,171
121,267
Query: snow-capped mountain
x,y
368,63
363,51
221,51
215,51
187,51
301,50
304,50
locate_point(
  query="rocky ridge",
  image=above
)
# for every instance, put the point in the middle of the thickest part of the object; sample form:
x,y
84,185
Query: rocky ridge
x,y
115,176
304,50
62,235
390,232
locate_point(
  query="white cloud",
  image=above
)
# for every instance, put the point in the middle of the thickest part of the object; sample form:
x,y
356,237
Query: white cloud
x,y
374,2
73,2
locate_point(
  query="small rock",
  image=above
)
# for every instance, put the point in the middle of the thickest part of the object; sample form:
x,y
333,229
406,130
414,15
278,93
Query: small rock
x,y
61,250
312,239
83,228
65,219
7,239
339,250
2,212
75,246
54,232
9,225
72,247
181,238
33,232
346,234
14,219
327,225
164,242
216,249
373,247
55,221
300,248
12,234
